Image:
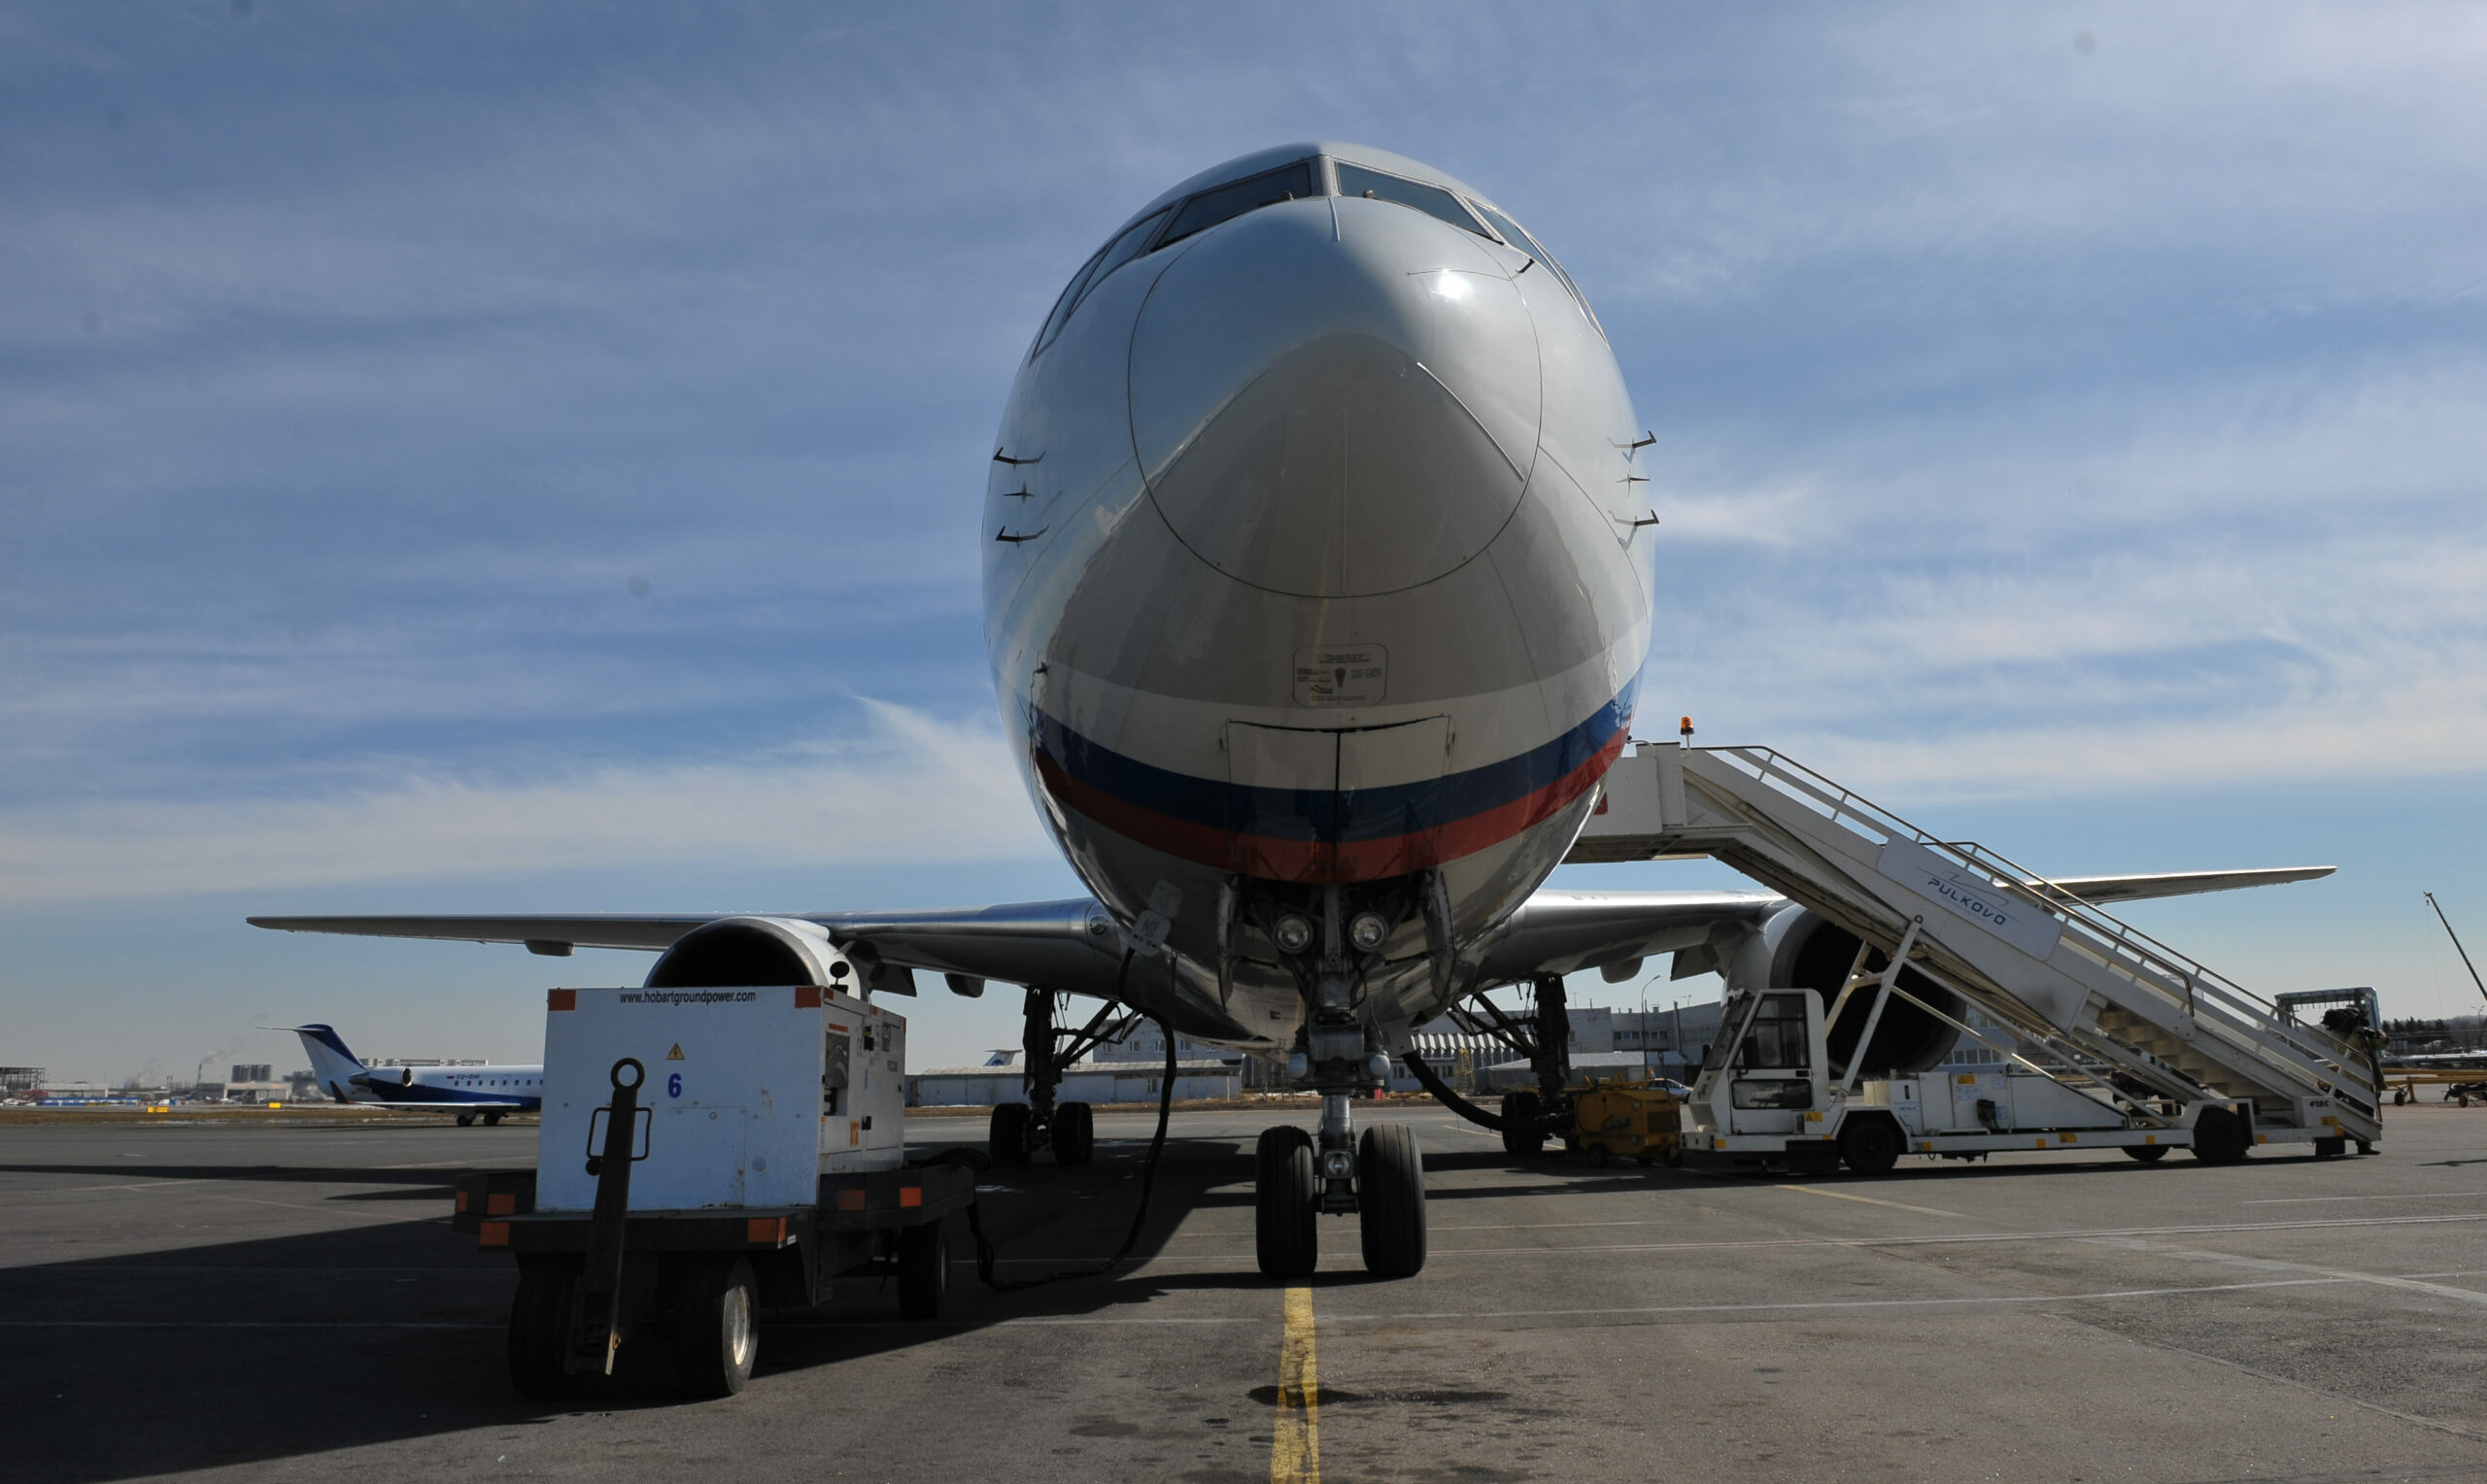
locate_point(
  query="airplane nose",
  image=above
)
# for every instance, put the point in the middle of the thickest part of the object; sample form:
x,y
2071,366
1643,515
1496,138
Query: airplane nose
x,y
1335,397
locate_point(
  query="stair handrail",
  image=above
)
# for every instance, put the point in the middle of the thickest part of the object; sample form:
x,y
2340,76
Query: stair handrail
x,y
2060,901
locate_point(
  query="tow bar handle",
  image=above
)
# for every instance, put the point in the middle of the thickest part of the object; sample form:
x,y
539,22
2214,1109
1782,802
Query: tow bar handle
x,y
599,1333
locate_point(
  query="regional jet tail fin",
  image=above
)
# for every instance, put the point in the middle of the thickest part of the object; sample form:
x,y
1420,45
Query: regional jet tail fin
x,y
2107,889
340,1070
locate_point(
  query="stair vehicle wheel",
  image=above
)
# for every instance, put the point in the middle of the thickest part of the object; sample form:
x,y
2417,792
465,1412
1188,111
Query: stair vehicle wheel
x,y
1286,1194
466,1120
2331,1149
923,1270
539,1325
1074,1133
2400,1097
714,1342
1007,1135
1520,1109
1870,1145
1390,1200
2147,1154
2219,1136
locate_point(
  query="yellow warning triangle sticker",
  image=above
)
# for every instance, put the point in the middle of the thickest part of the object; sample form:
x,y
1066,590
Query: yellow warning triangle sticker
x,y
675,1054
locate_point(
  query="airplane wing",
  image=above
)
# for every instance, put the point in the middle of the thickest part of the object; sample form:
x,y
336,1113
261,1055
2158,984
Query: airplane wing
x,y
1071,945
2107,889
1561,931
1066,945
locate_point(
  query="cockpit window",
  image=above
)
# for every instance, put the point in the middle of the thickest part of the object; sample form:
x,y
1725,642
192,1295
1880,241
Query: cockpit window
x,y
1222,203
1432,200
1125,246
1511,233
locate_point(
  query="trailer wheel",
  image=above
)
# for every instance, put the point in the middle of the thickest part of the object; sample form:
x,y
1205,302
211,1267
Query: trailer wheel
x,y
1074,1133
2147,1154
1520,1109
1007,1135
540,1319
2400,1097
466,1120
1285,1200
491,1120
923,1270
714,1343
2219,1136
1870,1145
1390,1200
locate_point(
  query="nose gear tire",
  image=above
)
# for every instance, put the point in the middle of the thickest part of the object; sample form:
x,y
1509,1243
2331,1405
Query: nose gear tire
x,y
1287,1200
1390,1200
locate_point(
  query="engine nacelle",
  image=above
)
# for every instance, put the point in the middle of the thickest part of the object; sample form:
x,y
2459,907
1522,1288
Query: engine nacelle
x,y
738,952
1798,949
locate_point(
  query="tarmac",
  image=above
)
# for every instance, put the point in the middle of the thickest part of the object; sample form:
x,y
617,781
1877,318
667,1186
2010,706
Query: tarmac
x,y
285,1302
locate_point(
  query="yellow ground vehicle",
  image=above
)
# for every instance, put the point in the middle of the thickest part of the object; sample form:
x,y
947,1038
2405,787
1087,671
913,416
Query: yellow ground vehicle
x,y
1619,1119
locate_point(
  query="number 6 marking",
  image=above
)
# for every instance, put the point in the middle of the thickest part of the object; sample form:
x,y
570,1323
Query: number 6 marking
x,y
673,1085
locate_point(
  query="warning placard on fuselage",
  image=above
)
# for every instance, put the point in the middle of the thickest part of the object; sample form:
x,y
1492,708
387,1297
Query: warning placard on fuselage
x,y
1341,675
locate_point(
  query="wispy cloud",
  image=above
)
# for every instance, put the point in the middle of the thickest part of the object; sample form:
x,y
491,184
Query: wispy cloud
x,y
907,788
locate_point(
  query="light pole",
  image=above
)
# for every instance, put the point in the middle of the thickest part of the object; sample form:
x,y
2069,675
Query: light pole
x,y
1645,1029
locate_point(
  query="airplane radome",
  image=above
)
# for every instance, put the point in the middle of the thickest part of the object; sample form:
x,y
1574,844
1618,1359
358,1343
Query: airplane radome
x,y
1311,578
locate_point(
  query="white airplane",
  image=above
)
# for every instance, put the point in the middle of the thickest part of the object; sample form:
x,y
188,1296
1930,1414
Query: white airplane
x,y
469,1092
1317,591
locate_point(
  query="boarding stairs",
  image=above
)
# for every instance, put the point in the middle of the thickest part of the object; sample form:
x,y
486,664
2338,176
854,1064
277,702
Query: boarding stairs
x,y
2053,969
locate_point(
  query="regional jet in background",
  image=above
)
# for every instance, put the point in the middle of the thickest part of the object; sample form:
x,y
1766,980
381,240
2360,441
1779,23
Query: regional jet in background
x,y
470,1091
1317,593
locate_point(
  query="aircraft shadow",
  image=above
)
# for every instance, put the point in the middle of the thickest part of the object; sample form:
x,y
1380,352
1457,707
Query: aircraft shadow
x,y
244,1352
210,1356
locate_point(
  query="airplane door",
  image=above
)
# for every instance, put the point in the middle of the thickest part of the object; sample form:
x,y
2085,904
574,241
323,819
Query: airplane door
x,y
1286,800
1317,806
1389,798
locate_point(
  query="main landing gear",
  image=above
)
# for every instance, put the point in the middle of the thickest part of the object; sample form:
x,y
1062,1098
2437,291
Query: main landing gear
x,y
1019,1130
1300,1176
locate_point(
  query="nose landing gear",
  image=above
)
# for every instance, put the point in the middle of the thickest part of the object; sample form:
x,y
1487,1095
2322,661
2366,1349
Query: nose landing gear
x,y
1379,1179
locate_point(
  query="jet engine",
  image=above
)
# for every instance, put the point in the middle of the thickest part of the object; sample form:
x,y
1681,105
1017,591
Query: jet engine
x,y
1798,948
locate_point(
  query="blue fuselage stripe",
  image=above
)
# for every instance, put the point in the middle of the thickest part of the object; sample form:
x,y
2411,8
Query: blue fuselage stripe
x,y
1325,816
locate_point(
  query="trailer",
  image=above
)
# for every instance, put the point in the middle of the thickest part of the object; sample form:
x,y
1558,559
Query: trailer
x,y
706,1154
1767,1094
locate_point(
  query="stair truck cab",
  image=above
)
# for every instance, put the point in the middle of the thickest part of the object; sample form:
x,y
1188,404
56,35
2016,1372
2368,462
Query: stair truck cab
x,y
1767,1093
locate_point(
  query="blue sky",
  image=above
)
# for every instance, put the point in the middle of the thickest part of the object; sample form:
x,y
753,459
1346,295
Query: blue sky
x,y
496,457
